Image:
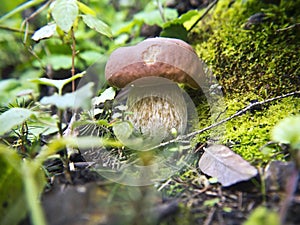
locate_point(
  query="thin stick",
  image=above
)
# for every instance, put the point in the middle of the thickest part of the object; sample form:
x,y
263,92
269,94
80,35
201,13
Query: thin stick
x,y
210,216
204,14
164,185
34,14
289,27
238,113
15,29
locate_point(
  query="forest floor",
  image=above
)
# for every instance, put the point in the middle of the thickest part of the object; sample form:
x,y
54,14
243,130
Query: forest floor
x,y
84,197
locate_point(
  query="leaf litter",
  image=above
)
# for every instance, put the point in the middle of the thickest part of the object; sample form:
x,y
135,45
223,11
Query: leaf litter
x,y
228,167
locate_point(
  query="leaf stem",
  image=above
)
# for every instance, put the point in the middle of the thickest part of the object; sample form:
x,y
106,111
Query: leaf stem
x,y
73,47
161,10
59,123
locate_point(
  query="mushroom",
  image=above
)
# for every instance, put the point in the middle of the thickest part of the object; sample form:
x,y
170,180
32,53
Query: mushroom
x,y
147,72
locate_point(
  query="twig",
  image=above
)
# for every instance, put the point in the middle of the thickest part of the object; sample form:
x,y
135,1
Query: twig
x,y
210,216
220,114
25,22
164,185
238,113
31,51
289,27
204,14
14,29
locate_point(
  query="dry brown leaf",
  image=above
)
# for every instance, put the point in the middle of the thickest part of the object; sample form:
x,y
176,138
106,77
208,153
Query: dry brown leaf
x,y
228,167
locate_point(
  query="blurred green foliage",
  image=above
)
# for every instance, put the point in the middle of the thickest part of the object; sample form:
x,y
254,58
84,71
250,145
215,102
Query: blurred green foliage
x,y
50,55
37,40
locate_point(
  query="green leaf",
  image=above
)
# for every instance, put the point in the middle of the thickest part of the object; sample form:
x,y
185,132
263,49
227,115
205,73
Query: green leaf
x,y
90,56
44,32
85,9
6,88
76,142
10,89
8,85
211,202
12,200
34,183
59,84
287,131
59,61
153,17
190,19
108,94
178,28
175,31
262,216
65,13
81,98
97,25
43,124
12,118
185,19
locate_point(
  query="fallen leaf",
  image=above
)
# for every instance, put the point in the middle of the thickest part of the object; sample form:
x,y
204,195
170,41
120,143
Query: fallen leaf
x,y
228,167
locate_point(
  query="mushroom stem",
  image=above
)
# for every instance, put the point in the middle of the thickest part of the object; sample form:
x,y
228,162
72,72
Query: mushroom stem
x,y
156,108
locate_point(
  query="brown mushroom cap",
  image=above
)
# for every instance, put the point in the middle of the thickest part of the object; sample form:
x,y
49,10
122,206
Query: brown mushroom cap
x,y
173,59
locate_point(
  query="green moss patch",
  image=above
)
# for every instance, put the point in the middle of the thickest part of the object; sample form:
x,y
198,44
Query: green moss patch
x,y
253,49
250,132
249,46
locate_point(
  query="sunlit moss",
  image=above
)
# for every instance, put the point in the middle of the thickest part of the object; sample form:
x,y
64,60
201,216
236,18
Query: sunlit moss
x,y
252,56
249,132
252,60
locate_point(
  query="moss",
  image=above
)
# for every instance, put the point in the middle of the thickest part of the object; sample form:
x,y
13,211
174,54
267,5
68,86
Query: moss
x,y
249,132
252,55
252,60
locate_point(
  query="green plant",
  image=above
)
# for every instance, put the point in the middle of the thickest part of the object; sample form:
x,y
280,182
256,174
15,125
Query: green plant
x,y
22,176
287,131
